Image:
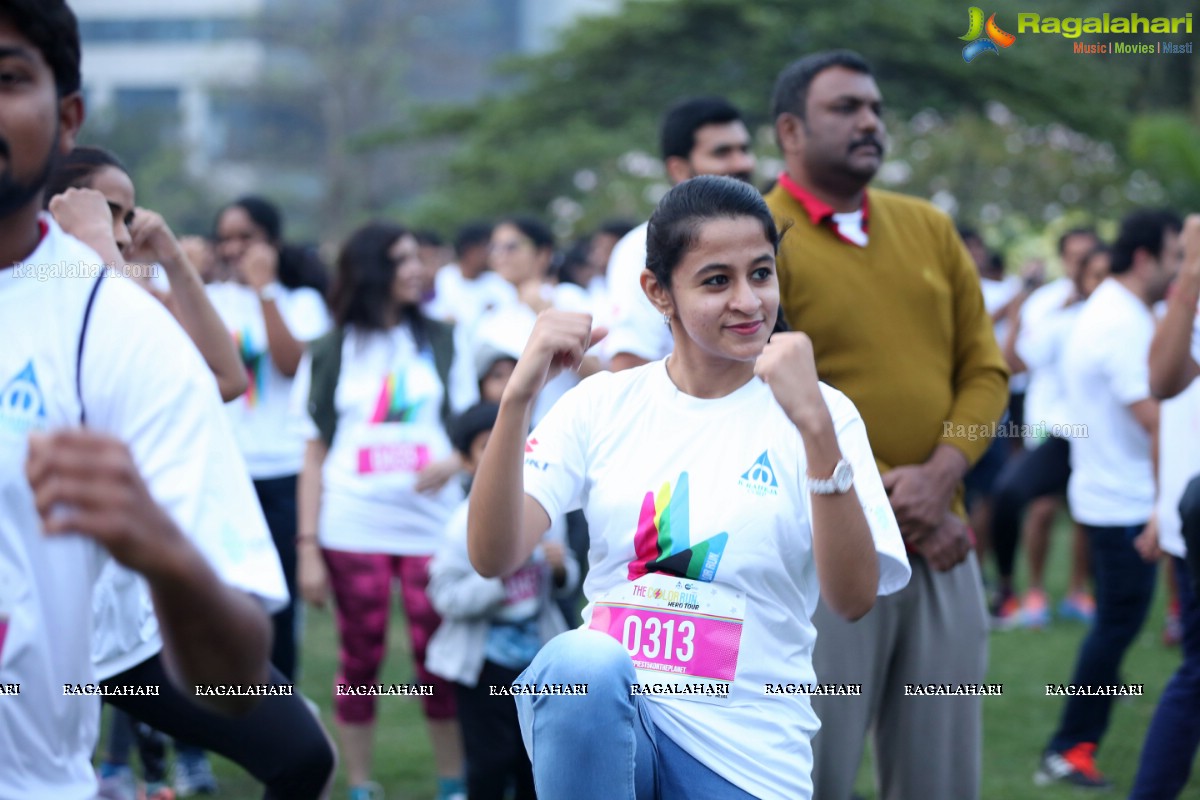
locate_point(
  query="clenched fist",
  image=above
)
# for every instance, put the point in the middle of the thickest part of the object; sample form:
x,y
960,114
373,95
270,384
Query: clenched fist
x,y
787,366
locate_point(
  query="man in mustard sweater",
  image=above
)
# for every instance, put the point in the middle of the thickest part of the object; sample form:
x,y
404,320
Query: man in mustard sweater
x,y
891,299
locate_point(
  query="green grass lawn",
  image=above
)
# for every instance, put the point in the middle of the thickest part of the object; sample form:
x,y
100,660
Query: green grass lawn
x,y
1016,726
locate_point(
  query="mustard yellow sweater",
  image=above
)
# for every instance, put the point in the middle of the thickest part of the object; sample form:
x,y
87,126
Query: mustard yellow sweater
x,y
899,325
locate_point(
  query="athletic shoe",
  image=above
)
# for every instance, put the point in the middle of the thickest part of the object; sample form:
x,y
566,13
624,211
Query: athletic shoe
x,y
1078,606
1006,614
451,789
193,776
118,784
1034,611
1172,633
367,791
1076,767
157,791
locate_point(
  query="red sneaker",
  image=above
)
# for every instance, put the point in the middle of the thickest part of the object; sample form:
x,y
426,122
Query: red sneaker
x,y
1076,767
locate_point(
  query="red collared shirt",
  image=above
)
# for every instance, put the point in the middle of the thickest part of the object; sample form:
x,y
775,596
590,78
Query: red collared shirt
x,y
819,212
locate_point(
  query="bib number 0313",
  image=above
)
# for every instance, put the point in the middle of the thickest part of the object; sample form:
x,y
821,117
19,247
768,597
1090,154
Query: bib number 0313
x,y
655,637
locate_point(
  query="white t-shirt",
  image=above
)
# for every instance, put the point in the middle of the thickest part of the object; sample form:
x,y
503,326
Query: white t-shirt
x,y
389,406
624,448
144,382
1178,455
1045,324
463,302
260,416
637,327
850,225
1105,371
995,295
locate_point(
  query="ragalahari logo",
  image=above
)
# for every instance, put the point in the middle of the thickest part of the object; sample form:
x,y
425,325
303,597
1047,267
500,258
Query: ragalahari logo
x,y
983,38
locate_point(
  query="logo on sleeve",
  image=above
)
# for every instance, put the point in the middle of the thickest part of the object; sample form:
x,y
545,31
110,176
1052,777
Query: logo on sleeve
x,y
530,461
759,480
22,407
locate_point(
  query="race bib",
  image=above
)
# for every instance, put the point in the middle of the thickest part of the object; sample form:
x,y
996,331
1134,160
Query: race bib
x,y
522,594
683,635
391,448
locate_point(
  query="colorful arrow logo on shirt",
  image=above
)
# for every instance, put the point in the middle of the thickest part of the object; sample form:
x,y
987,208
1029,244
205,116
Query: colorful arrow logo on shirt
x,y
663,539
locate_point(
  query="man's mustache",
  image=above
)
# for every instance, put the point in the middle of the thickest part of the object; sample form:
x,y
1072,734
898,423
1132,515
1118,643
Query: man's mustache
x,y
869,139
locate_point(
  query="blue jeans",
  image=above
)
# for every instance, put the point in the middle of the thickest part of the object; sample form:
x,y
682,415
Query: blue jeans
x,y
603,745
1174,734
1124,588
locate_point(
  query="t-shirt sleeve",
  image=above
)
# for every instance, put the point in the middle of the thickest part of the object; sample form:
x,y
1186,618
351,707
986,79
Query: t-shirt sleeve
x,y
1127,364
145,383
894,569
306,314
556,451
464,388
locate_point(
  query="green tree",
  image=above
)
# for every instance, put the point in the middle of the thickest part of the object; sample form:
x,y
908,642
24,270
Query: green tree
x,y
597,97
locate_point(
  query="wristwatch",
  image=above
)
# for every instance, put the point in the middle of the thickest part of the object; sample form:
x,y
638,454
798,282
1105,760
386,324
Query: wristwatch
x,y
271,291
838,483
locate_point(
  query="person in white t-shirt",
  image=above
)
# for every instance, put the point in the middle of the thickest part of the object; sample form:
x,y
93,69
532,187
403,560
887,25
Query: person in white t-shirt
x,y
491,630
127,643
697,645
112,446
465,290
378,483
522,250
699,136
272,308
1173,737
1037,478
1111,491
137,237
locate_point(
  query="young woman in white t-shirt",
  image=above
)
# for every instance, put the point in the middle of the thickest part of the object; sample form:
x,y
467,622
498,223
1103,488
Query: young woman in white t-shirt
x,y
127,642
378,483
725,488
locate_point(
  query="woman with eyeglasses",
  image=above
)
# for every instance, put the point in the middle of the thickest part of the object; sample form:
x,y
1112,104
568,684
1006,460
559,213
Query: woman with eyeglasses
x,y
272,306
380,482
522,252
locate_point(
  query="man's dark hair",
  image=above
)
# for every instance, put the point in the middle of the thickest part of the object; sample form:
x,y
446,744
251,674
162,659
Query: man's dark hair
x,y
617,228
52,28
427,237
679,126
1066,237
473,234
532,229
791,87
1142,230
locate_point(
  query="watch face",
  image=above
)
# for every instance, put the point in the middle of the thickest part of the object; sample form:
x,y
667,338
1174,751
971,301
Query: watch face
x,y
843,476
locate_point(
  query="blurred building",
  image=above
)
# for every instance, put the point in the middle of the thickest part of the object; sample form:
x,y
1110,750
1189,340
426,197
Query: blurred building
x,y
197,75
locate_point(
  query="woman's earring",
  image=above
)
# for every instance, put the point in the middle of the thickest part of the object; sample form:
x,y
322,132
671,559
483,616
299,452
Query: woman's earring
x,y
667,320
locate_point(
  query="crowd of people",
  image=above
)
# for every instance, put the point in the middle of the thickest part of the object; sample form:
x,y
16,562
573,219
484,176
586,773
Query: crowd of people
x,y
854,403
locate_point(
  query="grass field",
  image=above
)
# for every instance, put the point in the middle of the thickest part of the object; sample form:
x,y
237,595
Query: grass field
x,y
1016,726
